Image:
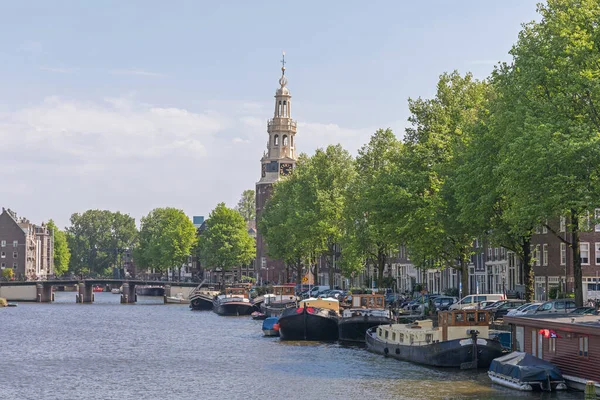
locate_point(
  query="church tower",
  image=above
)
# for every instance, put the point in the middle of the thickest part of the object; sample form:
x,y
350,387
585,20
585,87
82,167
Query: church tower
x,y
278,160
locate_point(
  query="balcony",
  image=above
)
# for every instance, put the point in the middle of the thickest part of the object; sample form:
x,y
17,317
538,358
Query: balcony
x,y
281,125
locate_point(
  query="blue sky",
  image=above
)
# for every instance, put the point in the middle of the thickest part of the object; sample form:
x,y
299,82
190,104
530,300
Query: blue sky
x,y
140,104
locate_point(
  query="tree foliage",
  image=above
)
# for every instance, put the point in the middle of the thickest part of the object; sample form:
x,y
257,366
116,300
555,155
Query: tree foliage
x,y
166,239
226,242
246,206
370,223
62,254
94,238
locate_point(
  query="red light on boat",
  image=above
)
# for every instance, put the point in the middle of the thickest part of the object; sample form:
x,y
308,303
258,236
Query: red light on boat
x,y
310,310
275,327
299,310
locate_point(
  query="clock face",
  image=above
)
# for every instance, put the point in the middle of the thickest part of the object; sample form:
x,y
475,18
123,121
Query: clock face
x,y
285,169
264,170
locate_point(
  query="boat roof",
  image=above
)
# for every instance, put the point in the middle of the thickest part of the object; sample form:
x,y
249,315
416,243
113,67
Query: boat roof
x,y
327,302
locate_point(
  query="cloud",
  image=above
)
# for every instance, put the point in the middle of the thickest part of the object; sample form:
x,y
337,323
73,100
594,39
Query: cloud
x,y
138,72
238,140
58,70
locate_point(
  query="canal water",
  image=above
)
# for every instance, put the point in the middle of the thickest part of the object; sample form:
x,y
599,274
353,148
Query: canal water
x,y
149,350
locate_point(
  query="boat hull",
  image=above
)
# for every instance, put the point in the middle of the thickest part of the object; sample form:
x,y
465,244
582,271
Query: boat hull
x,y
201,302
449,354
321,324
353,329
233,308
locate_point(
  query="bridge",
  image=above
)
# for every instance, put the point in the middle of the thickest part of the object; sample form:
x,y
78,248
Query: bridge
x,y
43,291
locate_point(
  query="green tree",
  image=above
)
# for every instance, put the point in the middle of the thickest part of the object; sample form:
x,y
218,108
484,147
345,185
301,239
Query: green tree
x,y
550,160
370,224
226,242
166,239
247,205
62,254
8,274
325,179
422,191
94,239
285,226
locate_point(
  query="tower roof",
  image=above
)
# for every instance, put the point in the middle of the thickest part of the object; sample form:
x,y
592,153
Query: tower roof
x,y
283,91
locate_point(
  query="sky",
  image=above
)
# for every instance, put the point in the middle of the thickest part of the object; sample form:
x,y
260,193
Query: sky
x,y
129,106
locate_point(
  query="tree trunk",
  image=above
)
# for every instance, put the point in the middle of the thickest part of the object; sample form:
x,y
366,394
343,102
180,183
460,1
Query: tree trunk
x,y
527,270
381,258
464,277
287,273
330,264
577,274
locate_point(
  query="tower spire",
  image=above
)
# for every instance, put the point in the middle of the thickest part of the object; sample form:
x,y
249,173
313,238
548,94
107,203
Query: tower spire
x,y
283,64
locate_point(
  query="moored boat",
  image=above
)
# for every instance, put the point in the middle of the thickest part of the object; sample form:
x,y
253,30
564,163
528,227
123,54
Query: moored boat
x,y
97,288
522,371
270,327
460,341
177,299
235,301
367,311
313,319
283,297
115,291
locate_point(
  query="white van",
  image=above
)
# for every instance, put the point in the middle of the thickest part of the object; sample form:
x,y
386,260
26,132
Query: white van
x,y
317,290
472,300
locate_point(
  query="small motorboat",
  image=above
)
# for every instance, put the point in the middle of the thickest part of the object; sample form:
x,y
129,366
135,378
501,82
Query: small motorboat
x,y
115,291
522,371
97,288
257,315
4,303
270,326
177,299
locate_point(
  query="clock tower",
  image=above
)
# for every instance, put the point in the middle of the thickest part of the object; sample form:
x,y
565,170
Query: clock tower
x,y
278,160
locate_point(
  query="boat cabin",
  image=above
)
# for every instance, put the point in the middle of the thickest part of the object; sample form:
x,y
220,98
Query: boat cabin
x,y
330,304
452,325
372,301
236,292
282,293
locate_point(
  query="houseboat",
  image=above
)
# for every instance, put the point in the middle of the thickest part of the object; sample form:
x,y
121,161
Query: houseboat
x,y
366,311
235,301
202,299
284,296
571,342
460,341
313,319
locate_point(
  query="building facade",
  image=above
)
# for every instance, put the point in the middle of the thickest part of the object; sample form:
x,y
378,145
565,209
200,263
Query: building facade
x,y
26,248
278,160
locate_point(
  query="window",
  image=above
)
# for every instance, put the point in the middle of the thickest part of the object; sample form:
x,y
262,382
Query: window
x,y
14,265
537,255
545,254
3,254
563,254
519,345
544,227
563,224
15,243
598,254
3,243
533,345
285,140
490,250
583,346
3,265
387,333
394,336
15,254
584,253
597,218
276,140
552,345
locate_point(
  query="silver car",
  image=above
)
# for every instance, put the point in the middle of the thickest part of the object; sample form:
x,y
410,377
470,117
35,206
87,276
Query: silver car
x,y
561,306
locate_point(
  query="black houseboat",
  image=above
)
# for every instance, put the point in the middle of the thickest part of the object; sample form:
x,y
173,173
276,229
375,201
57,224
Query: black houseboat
x,y
367,311
314,319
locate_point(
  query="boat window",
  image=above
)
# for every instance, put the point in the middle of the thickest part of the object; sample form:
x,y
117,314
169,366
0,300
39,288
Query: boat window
x,y
387,334
481,317
379,331
533,340
401,337
428,337
394,336
583,346
412,339
552,345
471,317
459,317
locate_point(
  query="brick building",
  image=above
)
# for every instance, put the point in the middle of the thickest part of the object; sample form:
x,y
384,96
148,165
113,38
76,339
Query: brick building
x,y
25,247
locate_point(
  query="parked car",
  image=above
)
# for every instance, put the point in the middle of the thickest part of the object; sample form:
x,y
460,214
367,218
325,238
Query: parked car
x,y
527,308
556,306
500,308
585,311
442,303
474,300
